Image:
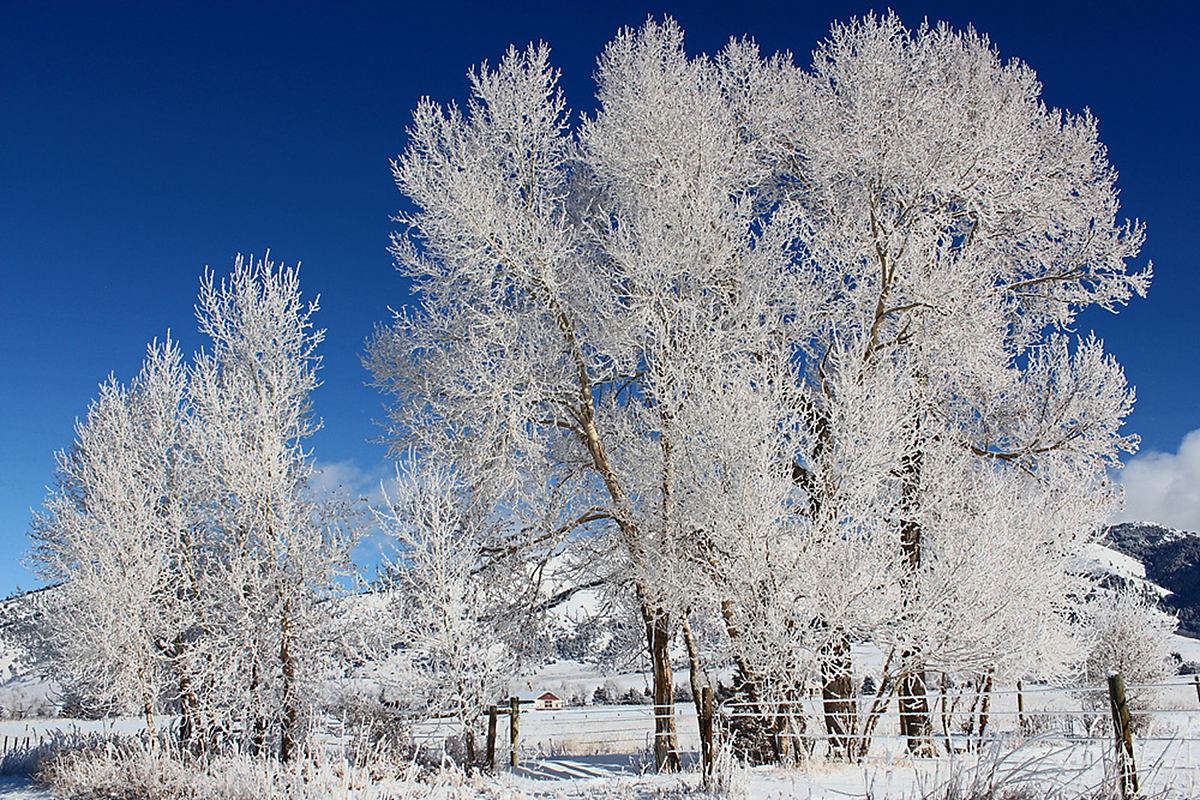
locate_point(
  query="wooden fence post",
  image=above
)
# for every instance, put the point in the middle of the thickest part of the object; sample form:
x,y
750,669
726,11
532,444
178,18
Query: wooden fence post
x,y
491,740
1021,724
1127,781
1196,680
514,729
706,731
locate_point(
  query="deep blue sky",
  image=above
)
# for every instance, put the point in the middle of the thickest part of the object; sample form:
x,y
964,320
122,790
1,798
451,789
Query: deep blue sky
x,y
140,142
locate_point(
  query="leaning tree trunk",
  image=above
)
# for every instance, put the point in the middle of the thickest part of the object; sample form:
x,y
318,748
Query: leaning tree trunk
x,y
985,701
656,619
695,678
658,640
704,710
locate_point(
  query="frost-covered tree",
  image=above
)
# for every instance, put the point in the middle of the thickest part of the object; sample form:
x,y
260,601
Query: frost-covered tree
x,y
442,628
570,282
192,560
959,224
274,552
1125,631
871,264
108,535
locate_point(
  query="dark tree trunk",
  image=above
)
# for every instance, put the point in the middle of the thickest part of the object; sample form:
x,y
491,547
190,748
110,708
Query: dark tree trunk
x,y
658,640
147,703
289,721
188,724
915,723
839,706
694,677
985,704
469,742
189,705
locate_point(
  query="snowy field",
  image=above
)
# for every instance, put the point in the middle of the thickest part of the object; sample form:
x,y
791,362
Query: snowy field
x,y
598,751
603,750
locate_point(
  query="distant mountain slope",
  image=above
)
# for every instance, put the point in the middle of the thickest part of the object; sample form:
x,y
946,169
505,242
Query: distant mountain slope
x,y
1171,559
25,689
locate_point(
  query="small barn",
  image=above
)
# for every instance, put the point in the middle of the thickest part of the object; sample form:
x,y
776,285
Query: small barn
x,y
548,701
540,701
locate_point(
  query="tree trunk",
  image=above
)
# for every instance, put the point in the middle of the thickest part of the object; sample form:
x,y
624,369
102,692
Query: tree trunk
x,y
946,709
702,697
147,703
915,723
752,726
188,703
187,713
697,683
985,705
287,661
258,734
839,706
469,743
658,638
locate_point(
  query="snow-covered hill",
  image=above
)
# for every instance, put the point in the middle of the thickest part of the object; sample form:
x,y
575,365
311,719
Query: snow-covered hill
x,y
25,691
1169,559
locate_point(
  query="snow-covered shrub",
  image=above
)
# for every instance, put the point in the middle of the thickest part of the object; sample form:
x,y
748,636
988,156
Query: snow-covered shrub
x,y
112,769
369,726
730,777
1126,633
131,769
441,632
1024,772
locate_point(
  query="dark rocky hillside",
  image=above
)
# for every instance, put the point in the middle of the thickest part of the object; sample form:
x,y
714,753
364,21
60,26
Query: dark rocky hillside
x,y
1172,560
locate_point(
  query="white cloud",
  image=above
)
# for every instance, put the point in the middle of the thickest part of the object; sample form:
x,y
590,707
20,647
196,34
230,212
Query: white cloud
x,y
361,487
1164,487
348,480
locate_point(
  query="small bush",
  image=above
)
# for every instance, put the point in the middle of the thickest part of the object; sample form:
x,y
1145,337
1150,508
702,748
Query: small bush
x,y
132,770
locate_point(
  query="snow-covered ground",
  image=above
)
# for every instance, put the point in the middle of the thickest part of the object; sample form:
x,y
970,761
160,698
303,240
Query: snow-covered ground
x,y
22,787
601,751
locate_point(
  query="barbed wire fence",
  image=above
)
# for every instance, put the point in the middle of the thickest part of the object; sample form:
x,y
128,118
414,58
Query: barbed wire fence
x,y
1124,736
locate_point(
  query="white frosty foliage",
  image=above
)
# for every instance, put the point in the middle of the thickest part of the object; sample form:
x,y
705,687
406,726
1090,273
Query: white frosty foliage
x,y
193,562
1129,635
442,621
778,361
785,347
110,533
